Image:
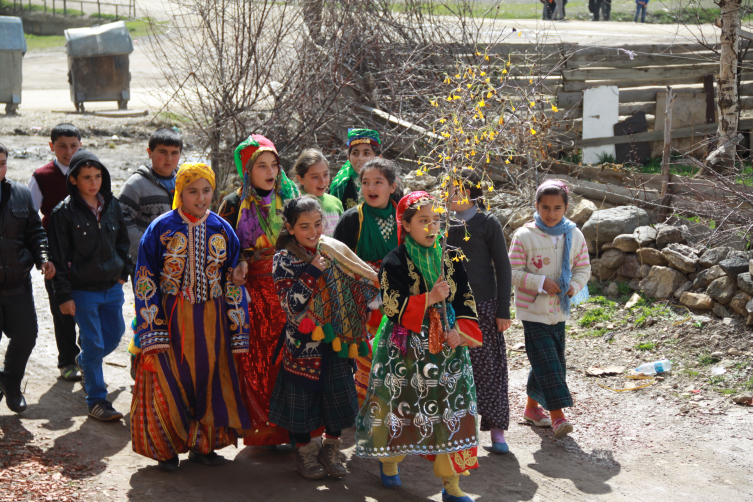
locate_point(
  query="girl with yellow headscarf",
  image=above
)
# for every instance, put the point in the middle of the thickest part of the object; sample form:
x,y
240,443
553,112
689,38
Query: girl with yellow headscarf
x,y
191,323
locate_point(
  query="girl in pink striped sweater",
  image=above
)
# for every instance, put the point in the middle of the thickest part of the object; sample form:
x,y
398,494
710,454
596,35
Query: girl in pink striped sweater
x,y
550,266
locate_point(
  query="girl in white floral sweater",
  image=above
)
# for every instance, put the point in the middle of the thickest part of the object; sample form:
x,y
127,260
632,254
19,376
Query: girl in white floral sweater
x,y
550,265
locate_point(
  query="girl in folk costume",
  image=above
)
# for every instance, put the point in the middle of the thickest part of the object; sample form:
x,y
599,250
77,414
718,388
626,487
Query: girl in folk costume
x,y
363,146
479,235
325,291
255,211
550,265
191,322
312,170
370,229
421,398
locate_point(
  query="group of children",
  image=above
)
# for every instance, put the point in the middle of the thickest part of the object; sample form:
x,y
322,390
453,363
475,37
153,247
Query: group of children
x,y
283,316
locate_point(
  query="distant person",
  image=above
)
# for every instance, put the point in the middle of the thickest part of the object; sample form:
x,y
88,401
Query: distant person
x,y
23,244
605,6
550,10
149,191
89,247
640,8
48,189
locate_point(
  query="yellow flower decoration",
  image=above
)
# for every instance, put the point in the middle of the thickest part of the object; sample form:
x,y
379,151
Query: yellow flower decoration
x,y
483,73
419,173
555,109
481,103
533,131
467,238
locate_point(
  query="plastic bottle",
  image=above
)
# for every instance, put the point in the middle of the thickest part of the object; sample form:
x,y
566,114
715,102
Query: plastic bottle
x,y
655,367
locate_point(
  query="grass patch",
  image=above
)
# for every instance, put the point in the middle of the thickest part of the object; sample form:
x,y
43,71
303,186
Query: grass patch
x,y
717,380
748,385
706,359
644,310
137,29
603,301
728,392
691,373
595,316
645,346
654,166
597,332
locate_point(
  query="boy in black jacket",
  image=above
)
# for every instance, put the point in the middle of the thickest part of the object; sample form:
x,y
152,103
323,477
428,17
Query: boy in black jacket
x,y
22,245
89,244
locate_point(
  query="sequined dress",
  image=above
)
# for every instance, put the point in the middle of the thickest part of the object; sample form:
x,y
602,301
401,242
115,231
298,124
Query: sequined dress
x,y
419,402
258,371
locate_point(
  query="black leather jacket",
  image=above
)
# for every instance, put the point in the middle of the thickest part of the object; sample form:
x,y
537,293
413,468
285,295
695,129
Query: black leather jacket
x,y
23,242
88,255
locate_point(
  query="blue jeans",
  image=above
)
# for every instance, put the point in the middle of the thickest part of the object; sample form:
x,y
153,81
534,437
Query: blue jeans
x,y
99,315
640,9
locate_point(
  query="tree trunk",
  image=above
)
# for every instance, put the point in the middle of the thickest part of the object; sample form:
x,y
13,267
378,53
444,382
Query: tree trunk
x,y
728,101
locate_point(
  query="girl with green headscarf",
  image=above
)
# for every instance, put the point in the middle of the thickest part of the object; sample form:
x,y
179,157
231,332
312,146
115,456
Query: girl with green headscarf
x,y
255,212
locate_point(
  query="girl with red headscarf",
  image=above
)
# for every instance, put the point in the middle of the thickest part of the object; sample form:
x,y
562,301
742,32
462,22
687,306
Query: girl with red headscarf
x,y
421,397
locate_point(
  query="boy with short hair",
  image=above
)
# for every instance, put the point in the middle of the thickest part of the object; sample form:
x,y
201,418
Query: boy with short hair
x,y
23,244
363,145
149,192
89,246
48,188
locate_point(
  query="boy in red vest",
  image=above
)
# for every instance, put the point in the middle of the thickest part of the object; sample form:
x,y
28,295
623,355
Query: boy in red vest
x,y
48,188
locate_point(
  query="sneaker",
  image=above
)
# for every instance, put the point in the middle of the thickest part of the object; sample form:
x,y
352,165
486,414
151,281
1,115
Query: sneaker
x,y
78,366
169,465
211,458
306,461
561,427
537,417
104,411
329,457
70,373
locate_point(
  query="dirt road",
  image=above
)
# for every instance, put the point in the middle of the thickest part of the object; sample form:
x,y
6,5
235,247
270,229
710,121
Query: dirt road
x,y
626,446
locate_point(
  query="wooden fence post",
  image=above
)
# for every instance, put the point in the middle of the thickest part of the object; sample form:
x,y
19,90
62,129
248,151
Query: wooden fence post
x,y
65,7
666,155
99,9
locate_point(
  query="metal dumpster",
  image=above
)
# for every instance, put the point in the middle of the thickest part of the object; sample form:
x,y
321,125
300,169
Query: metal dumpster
x,y
98,64
12,50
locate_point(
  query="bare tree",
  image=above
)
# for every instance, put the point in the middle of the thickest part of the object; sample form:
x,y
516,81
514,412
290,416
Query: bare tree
x,y
728,101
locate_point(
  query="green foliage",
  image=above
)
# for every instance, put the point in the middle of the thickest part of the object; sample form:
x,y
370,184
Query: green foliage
x,y
623,289
597,332
706,359
691,373
717,380
603,301
645,346
607,158
749,384
644,311
594,316
654,166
